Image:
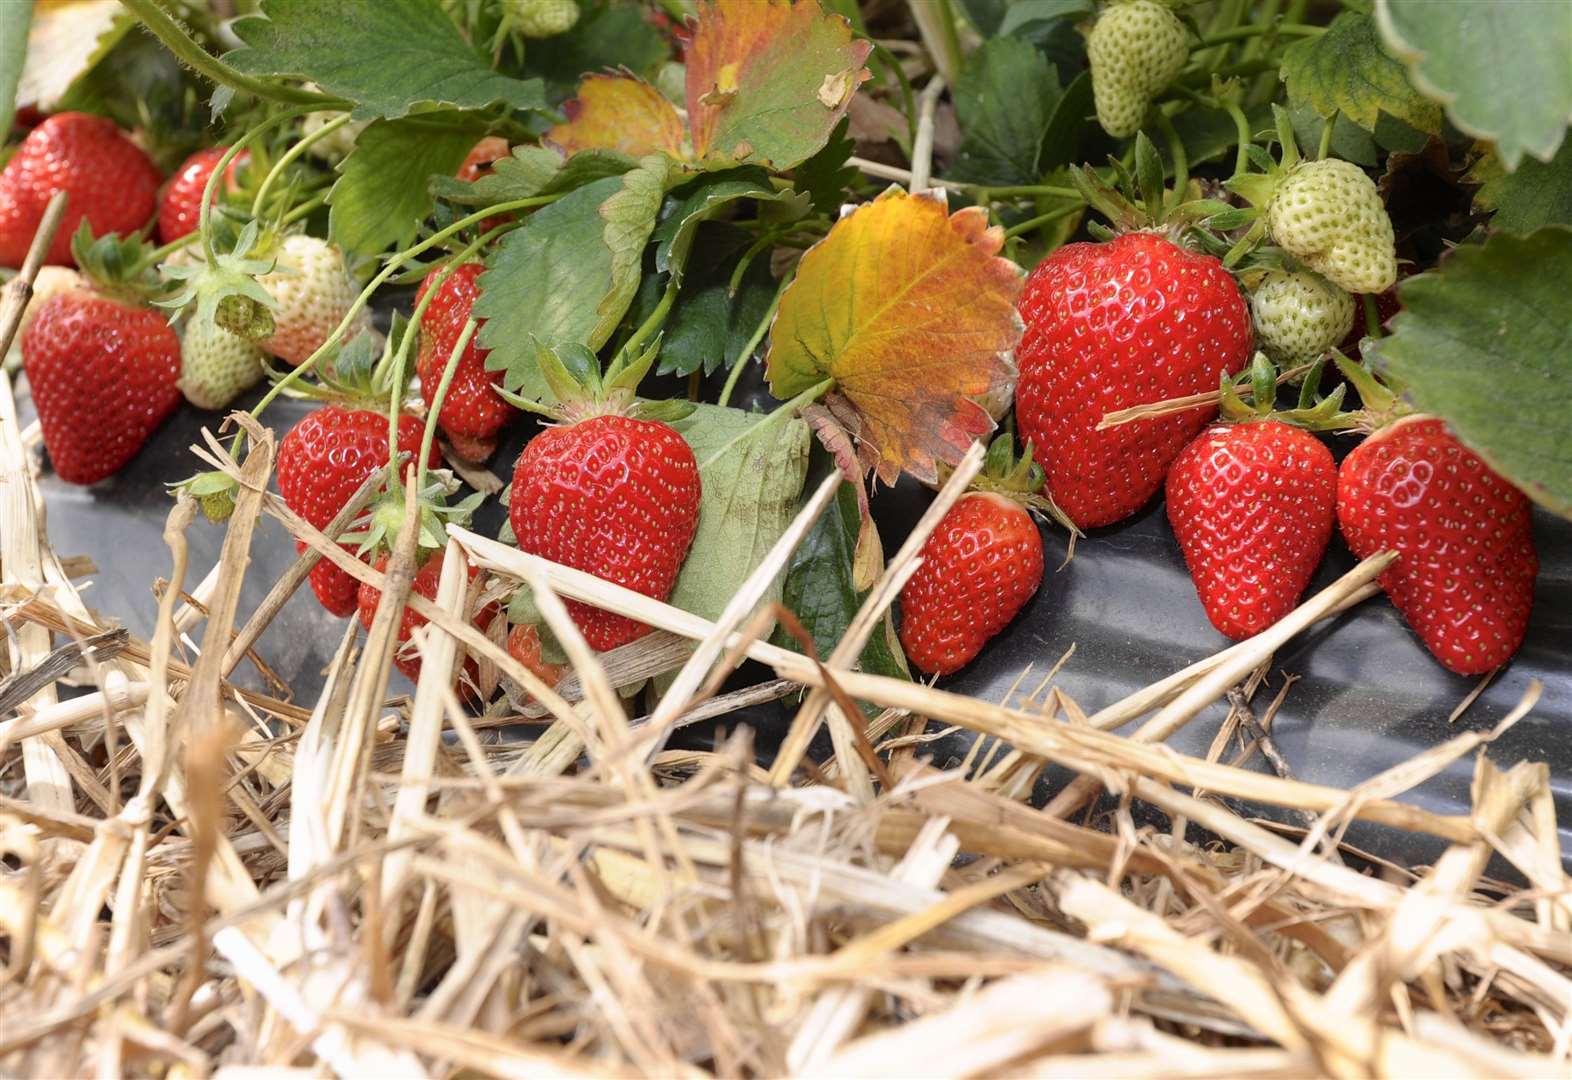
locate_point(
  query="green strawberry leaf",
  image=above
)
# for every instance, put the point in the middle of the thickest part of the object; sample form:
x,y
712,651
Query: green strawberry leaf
x,y
1350,142
568,275
387,56
14,22
382,192
751,473
1346,70
1210,133
702,200
825,177
1067,126
1005,97
820,592
531,171
1535,195
1500,69
1022,13
709,326
1481,343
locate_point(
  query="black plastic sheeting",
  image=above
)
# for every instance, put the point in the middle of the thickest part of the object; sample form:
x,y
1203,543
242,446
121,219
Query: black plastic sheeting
x,y
1368,697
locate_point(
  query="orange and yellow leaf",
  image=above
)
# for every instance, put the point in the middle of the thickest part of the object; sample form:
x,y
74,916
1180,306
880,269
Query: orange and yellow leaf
x,y
622,113
911,311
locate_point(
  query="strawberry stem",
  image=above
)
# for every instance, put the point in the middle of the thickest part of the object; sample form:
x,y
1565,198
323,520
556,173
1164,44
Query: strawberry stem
x,y
656,319
204,225
435,408
194,56
746,355
1240,33
780,413
1040,220
290,156
395,261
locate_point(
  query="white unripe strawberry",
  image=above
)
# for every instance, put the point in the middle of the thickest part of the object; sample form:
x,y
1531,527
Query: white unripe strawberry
x,y
1135,50
1329,215
216,366
314,292
1299,316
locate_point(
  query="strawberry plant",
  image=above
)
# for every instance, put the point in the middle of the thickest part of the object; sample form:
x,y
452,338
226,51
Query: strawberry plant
x,y
785,537
672,259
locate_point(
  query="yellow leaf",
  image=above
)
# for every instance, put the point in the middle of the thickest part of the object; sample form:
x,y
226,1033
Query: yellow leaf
x,y
623,113
911,311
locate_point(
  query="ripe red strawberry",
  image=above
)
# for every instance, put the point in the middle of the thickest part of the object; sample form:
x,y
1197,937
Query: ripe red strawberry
x,y
482,156
109,182
980,566
104,375
427,577
180,206
1464,578
614,496
524,646
1109,326
472,413
322,462
337,591
1252,505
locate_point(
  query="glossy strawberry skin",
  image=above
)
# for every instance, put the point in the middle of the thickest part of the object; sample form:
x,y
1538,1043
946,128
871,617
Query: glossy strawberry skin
x,y
429,574
979,568
321,464
1109,326
471,412
612,496
338,592
1464,578
104,375
1252,505
180,206
107,178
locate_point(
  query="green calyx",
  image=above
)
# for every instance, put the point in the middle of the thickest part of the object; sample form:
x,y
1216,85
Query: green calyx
x,y
380,528
227,291
1141,200
359,373
581,391
116,265
1018,478
1380,403
214,492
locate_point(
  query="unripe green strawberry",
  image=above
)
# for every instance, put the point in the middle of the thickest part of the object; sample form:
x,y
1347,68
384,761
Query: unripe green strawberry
x,y
216,366
1329,215
314,293
218,507
1298,316
1135,50
543,18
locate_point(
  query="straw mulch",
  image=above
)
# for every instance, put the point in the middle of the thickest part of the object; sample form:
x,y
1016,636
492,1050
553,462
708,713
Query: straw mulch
x,y
207,879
